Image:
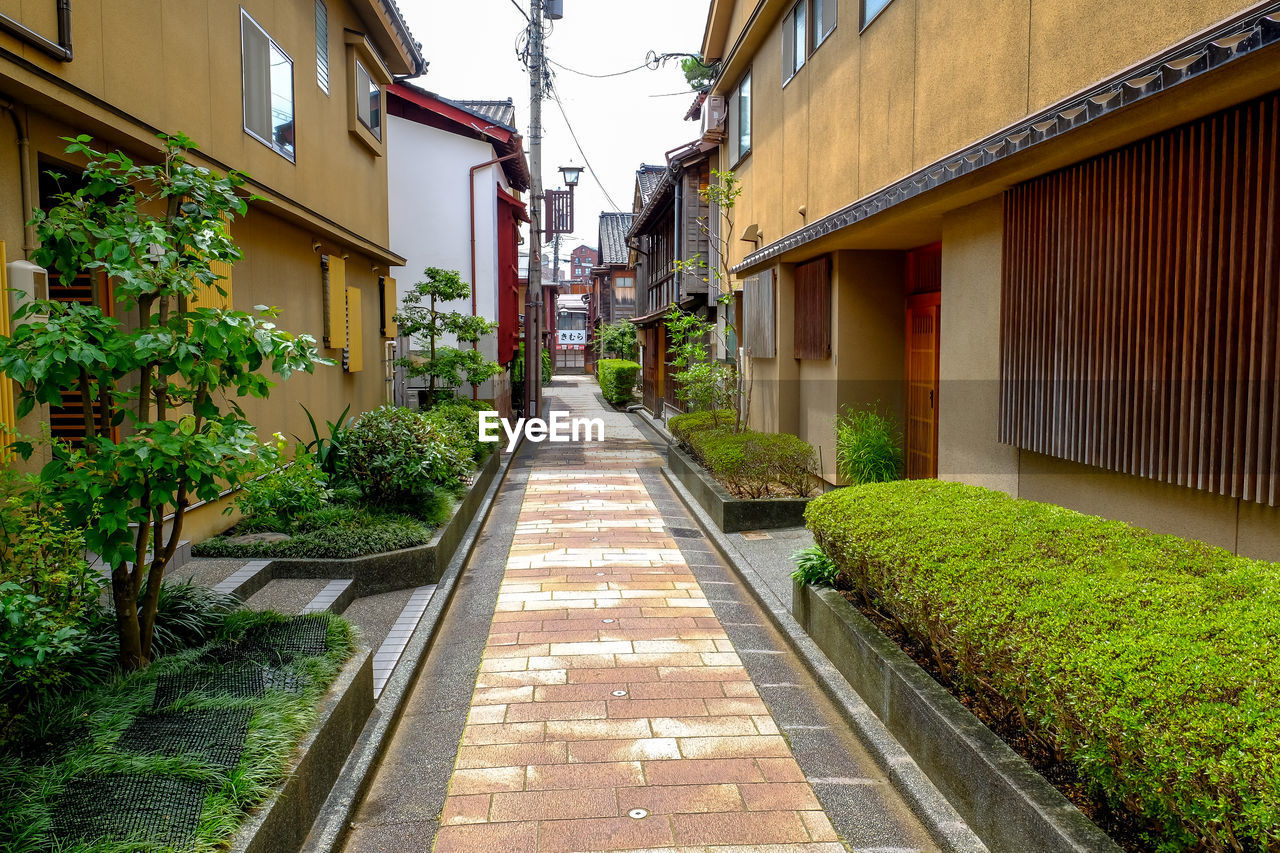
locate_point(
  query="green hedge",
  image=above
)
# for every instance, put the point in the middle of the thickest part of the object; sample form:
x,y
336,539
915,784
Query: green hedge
x,y
617,377
1152,662
749,464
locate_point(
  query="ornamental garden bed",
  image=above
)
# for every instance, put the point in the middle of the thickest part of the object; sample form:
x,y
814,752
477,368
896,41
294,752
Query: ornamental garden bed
x,y
414,559
1137,672
194,752
745,480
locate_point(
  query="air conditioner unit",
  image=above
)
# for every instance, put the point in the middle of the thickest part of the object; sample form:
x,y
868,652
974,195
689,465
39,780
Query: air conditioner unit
x,y
713,116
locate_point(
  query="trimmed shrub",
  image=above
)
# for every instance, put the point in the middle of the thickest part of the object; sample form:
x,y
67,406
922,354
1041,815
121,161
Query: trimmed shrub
x,y
283,492
617,378
398,455
1151,662
749,464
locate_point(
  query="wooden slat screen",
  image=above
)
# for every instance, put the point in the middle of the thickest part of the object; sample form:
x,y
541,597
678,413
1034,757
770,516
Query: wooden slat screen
x,y
758,306
812,315
1140,316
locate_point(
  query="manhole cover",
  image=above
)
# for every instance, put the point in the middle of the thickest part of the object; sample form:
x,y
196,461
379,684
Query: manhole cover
x,y
619,693
685,532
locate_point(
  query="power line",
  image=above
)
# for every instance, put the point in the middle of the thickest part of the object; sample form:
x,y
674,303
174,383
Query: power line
x,y
520,10
556,97
652,62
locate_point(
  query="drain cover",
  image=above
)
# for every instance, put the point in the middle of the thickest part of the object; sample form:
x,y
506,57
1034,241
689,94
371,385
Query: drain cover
x,y
608,621
688,532
638,813
619,693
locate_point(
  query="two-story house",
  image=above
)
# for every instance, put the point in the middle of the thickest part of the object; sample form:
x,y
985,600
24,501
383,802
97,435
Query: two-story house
x,y
581,261
1043,235
292,94
613,279
670,239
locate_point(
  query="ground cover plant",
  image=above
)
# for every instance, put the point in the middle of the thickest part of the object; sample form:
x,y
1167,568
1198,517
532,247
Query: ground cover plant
x,y
1149,662
171,757
749,464
868,447
617,378
396,477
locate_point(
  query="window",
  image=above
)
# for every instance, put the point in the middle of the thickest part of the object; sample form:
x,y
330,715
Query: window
x,y
740,120
812,330
795,41
369,105
322,46
871,8
823,14
268,88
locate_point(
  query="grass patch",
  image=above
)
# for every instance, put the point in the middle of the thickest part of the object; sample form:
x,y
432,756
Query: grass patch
x,y
344,528
30,792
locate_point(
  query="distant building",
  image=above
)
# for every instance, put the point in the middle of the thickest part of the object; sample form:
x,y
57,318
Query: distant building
x,y
613,279
581,262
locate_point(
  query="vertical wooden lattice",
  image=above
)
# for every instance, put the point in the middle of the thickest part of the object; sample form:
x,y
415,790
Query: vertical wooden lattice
x,y
812,314
1141,308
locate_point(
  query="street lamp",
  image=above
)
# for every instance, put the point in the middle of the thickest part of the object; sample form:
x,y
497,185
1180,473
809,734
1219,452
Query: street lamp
x,y
571,175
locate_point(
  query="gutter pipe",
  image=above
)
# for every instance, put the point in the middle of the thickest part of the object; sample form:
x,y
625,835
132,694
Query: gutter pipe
x,y
59,50
24,178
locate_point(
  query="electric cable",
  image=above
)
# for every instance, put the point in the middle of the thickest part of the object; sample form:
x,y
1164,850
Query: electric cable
x,y
555,95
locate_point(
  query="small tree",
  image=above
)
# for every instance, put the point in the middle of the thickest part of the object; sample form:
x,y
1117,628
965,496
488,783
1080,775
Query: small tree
x,y
617,340
420,317
162,428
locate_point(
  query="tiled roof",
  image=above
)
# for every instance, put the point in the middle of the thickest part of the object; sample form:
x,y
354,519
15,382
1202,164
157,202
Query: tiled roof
x,y
499,112
648,178
613,237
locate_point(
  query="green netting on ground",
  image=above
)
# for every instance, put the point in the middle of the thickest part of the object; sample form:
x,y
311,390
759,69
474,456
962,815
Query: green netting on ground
x,y
241,682
307,636
216,736
156,809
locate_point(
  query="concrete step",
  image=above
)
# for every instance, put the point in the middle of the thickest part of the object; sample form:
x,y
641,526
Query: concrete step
x,y
389,653
334,598
287,596
247,580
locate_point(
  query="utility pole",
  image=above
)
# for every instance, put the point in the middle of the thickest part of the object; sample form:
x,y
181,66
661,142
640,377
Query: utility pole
x,y
533,295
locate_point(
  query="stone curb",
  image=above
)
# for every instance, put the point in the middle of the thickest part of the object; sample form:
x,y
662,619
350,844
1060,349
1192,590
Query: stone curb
x,y
728,513
937,815
331,826
1008,803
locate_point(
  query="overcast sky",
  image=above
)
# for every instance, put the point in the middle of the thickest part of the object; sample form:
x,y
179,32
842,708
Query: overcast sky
x,y
471,47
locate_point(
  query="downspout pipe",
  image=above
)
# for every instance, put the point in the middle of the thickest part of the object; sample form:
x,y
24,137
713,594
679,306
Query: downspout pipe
x,y
24,178
471,188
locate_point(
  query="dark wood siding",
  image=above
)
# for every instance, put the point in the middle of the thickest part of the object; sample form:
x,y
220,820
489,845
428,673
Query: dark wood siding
x,y
1141,306
812,315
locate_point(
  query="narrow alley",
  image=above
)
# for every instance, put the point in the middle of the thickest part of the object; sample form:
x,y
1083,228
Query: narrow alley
x,y
602,682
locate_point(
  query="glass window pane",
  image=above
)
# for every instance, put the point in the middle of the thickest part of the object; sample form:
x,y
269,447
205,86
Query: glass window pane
x,y
744,115
871,8
362,85
281,102
256,48
799,35
375,109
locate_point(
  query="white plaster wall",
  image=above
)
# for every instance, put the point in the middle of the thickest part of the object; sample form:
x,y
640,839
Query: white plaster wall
x,y
428,202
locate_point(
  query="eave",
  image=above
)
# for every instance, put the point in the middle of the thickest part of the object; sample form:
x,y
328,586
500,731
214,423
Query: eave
x,y
388,30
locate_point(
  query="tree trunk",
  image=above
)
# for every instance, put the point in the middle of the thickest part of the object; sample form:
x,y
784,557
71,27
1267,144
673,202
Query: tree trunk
x,y
131,657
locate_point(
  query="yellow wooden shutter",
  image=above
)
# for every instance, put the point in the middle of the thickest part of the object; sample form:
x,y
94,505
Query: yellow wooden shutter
x,y
8,415
355,332
335,301
389,327
208,296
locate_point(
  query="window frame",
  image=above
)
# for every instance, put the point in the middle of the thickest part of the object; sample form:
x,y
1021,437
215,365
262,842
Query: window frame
x,y
866,19
817,37
360,54
795,34
734,120
291,155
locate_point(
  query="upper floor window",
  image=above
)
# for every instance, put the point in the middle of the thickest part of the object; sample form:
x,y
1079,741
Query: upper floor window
x,y
871,8
740,120
795,40
369,105
823,13
268,88
322,46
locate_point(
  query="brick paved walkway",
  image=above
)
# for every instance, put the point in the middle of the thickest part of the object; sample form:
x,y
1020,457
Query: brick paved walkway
x,y
611,710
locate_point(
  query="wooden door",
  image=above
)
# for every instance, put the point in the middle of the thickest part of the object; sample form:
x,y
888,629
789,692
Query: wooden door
x,y
649,369
922,385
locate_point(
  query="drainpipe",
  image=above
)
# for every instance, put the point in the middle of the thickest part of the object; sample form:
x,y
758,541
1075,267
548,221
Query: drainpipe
x,y
24,178
471,188
59,50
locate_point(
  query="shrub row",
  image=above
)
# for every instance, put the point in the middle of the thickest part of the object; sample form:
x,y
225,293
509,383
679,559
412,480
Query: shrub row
x,y
617,378
749,464
1151,662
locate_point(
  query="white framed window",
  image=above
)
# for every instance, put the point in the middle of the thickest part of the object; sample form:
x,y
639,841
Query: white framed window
x,y
322,46
267,79
871,8
795,40
740,119
369,100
